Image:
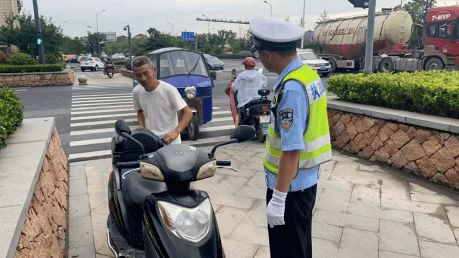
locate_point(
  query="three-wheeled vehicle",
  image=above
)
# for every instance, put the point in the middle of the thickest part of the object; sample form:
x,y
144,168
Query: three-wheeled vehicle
x,y
188,72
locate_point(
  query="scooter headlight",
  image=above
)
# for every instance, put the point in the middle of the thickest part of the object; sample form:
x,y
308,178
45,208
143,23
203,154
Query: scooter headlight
x,y
189,224
190,92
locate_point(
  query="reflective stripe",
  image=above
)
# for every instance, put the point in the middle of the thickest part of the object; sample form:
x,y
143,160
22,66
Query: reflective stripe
x,y
316,138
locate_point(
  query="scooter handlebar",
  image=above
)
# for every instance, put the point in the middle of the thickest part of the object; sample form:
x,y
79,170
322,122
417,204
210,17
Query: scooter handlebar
x,y
224,163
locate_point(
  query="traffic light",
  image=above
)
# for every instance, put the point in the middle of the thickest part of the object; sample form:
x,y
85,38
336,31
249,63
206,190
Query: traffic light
x,y
39,41
359,3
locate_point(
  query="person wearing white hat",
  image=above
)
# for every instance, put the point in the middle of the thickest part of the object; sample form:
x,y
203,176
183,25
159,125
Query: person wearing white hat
x,y
298,138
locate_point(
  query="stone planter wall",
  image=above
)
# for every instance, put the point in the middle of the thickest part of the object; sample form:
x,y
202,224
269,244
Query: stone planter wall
x,y
428,153
43,234
11,80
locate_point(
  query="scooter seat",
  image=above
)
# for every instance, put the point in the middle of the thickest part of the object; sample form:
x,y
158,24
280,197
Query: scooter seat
x,y
138,188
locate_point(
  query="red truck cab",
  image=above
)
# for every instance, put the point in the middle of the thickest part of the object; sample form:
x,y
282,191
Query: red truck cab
x,y
441,37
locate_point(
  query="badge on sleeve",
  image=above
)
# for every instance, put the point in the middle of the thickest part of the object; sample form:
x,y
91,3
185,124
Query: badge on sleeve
x,y
286,118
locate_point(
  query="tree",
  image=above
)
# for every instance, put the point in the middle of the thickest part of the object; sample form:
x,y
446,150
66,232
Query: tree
x,y
418,10
20,31
74,45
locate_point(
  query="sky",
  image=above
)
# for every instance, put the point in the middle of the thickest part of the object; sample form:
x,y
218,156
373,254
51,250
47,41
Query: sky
x,y
175,16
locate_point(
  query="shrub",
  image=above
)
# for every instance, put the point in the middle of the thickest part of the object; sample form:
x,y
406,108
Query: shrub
x,y
11,113
53,59
433,92
32,68
3,58
22,59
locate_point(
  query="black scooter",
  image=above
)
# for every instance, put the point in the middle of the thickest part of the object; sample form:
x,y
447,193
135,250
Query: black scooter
x,y
109,70
257,113
153,211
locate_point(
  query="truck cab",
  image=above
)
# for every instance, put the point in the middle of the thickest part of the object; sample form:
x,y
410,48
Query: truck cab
x,y
441,38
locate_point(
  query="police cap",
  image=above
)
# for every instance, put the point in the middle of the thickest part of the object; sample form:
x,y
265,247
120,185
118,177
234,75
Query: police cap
x,y
274,34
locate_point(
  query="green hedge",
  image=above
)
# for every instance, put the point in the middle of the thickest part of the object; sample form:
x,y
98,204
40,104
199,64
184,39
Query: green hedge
x,y
4,68
434,92
11,113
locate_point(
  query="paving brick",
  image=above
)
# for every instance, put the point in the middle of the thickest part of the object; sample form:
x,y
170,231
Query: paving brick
x,y
80,232
100,243
239,249
337,183
358,244
406,205
252,192
398,237
324,248
221,183
434,228
364,194
453,215
77,186
346,220
232,201
250,234
257,215
327,232
262,252
432,198
334,200
82,251
437,250
387,254
374,211
228,218
79,206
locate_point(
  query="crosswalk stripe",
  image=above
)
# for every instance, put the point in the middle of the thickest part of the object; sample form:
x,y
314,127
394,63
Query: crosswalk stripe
x,y
216,128
111,122
100,107
216,108
102,116
102,104
101,95
97,98
102,111
90,142
94,131
90,154
222,119
221,112
101,101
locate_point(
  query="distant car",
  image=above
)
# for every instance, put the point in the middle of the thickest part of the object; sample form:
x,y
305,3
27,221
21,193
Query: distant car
x,y
213,62
91,63
321,66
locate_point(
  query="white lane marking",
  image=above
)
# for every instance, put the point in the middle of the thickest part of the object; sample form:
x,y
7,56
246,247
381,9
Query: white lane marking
x,y
102,107
103,104
96,98
102,111
221,112
222,119
93,131
90,142
101,95
215,108
111,122
75,156
216,128
102,116
101,100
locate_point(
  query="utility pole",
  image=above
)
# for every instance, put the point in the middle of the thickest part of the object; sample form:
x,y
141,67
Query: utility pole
x,y
97,29
302,22
369,39
128,29
41,48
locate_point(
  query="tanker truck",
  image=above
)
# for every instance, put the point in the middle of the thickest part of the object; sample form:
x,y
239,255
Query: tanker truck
x,y
342,41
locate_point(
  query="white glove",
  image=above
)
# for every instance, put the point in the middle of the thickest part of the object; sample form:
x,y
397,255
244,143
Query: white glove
x,y
276,209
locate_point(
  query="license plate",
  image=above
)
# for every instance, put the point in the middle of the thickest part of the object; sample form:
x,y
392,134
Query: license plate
x,y
265,119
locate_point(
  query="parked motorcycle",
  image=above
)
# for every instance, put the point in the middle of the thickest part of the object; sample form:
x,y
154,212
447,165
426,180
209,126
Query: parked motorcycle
x,y
256,113
153,211
109,70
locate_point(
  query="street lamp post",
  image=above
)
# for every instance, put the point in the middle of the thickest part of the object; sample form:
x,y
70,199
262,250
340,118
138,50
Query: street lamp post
x,y
172,25
208,29
97,29
128,29
302,22
41,49
270,8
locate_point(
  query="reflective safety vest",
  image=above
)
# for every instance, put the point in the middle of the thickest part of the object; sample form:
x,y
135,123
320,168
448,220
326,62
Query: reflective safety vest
x,y
316,137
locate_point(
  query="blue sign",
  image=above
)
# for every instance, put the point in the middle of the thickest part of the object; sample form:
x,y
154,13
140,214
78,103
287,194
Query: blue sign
x,y
188,36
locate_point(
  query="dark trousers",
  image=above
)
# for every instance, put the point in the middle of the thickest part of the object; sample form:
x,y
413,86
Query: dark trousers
x,y
294,238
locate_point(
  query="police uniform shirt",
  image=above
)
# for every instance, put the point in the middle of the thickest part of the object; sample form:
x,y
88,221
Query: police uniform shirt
x,y
292,116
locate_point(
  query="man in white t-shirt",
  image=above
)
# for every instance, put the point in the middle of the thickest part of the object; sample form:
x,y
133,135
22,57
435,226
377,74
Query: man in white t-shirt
x,y
158,102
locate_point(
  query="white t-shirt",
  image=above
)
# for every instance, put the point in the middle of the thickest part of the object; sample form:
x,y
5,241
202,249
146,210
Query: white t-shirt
x,y
247,85
160,108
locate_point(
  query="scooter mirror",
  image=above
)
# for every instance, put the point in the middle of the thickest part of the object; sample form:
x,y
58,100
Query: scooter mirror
x,y
243,133
122,127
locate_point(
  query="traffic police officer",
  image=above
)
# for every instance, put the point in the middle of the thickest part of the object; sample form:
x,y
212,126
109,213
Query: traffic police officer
x,y
298,138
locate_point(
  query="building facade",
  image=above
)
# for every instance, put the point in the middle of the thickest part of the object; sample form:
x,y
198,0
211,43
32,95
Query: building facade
x,y
9,7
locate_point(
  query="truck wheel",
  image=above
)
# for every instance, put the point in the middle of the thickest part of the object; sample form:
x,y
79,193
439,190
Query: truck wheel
x,y
333,65
434,63
193,128
386,65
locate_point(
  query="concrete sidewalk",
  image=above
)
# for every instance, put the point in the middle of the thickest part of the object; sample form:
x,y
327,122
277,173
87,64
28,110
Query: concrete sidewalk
x,y
362,209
